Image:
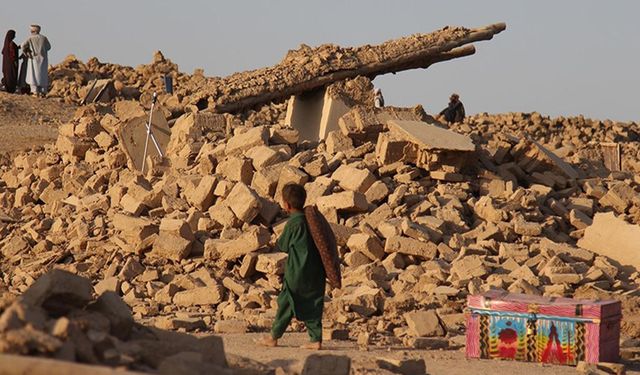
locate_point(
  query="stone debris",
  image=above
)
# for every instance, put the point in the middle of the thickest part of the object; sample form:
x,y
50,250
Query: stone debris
x,y
59,317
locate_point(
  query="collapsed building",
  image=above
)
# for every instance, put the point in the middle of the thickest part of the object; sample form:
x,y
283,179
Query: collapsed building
x,y
423,215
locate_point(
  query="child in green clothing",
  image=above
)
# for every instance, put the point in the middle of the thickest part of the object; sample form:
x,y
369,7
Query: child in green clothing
x,y
303,287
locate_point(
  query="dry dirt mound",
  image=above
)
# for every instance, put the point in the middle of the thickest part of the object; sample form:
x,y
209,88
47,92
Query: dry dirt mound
x,y
26,121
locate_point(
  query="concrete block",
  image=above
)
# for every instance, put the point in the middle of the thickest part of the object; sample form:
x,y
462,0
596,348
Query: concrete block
x,y
355,179
348,201
223,215
272,264
206,295
338,142
236,169
244,202
263,156
327,364
424,323
250,240
366,244
410,246
242,142
202,196
377,192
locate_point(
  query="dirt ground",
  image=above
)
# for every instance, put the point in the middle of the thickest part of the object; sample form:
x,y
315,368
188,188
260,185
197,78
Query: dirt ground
x,y
450,362
26,121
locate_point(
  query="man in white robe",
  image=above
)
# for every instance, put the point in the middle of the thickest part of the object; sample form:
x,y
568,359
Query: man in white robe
x,y
36,47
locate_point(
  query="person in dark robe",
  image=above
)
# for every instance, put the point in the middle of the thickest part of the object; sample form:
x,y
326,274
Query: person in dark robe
x,y
303,286
10,62
454,111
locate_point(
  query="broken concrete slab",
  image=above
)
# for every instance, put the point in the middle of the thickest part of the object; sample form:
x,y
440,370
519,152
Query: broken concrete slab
x,y
613,237
132,136
430,137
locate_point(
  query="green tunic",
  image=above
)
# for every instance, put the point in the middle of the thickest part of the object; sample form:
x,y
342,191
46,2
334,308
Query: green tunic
x,y
304,276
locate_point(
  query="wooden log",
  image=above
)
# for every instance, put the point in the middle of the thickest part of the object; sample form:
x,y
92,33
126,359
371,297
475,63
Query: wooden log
x,y
245,90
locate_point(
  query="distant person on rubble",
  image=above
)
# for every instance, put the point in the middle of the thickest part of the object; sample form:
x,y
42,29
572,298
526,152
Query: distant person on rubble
x,y
36,48
10,62
454,111
378,99
303,285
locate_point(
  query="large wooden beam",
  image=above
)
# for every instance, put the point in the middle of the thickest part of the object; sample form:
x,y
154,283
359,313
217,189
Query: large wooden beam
x,y
319,68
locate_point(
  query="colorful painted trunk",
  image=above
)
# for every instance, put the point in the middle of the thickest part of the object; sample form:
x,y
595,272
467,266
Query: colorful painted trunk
x,y
522,327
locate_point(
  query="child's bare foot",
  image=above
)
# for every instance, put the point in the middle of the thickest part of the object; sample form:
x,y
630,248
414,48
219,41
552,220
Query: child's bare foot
x,y
267,341
313,345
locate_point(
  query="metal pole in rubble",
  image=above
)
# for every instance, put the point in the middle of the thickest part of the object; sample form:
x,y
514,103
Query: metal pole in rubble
x,y
150,134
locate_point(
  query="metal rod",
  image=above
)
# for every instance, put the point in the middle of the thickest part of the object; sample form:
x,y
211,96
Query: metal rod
x,y
146,142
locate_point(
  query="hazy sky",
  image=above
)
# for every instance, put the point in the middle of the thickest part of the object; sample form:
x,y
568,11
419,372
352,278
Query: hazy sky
x,y
556,57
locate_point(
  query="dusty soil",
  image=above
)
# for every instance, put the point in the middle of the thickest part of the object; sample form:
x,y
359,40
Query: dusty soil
x,y
290,357
26,121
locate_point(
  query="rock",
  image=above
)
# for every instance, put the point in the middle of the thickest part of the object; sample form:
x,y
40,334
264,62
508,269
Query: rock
x,y
410,246
231,326
326,364
403,366
242,142
620,196
272,264
354,179
175,240
58,291
236,169
366,244
377,192
263,156
244,202
108,284
329,334
348,201
364,300
424,323
251,240
131,269
338,142
579,219
113,308
207,295
202,196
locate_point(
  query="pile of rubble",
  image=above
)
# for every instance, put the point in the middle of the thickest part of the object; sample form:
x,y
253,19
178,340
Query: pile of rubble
x,y
59,316
190,246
